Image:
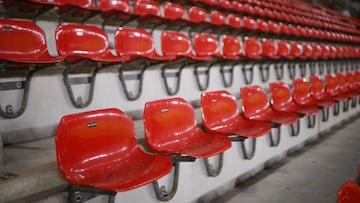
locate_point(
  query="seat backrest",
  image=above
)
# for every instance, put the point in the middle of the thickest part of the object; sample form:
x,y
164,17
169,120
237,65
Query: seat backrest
x,y
217,18
270,49
280,95
332,87
296,49
219,108
317,50
342,82
197,15
175,44
249,23
134,42
146,8
317,87
351,80
173,11
263,26
301,91
23,41
349,192
325,51
116,5
234,21
253,49
90,144
205,45
307,50
169,124
284,48
254,100
77,41
231,47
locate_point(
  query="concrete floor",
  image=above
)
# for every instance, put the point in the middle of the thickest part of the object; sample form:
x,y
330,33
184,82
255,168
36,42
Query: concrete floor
x,y
312,174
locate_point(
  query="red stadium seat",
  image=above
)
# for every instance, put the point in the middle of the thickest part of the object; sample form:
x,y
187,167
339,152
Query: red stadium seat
x,y
318,92
255,106
22,44
349,192
181,136
220,115
253,49
281,100
87,150
231,47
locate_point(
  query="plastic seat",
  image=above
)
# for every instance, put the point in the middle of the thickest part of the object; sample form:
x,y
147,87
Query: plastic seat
x,y
99,149
147,8
349,192
170,128
281,100
318,92
270,49
23,41
344,86
217,18
220,114
262,25
249,23
76,42
136,43
255,106
22,45
333,89
118,9
253,49
173,11
296,50
274,27
176,44
302,94
197,15
231,47
235,21
205,47
284,49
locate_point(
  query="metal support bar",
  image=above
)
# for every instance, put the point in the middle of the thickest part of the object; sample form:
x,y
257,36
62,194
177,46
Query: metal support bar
x,y
211,171
302,67
336,109
275,142
25,85
264,72
295,129
78,102
321,68
139,77
312,67
292,70
230,71
279,70
79,194
165,75
325,112
328,67
311,121
346,105
248,73
206,72
161,192
353,102
249,153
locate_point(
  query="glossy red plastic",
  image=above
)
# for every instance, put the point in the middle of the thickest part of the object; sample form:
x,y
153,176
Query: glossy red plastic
x,y
351,80
99,149
332,87
171,128
302,94
296,50
249,23
146,8
226,4
253,49
238,6
284,28
220,114
325,51
197,15
114,5
284,48
274,27
173,11
76,42
136,43
205,46
349,192
281,100
234,21
217,18
231,47
25,42
270,49
175,44
344,86
249,9
316,51
255,106
317,91
262,25
307,50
